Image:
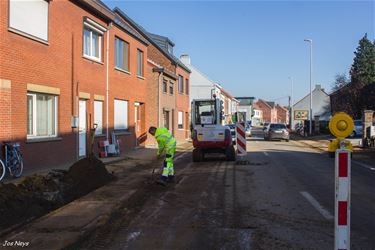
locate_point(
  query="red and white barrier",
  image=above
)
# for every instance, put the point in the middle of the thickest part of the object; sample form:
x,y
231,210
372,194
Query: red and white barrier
x,y
241,139
342,200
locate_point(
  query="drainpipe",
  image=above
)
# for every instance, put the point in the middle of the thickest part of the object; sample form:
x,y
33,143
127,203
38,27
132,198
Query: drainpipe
x,y
107,82
159,82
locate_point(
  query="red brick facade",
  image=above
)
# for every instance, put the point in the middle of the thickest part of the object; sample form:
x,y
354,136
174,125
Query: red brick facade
x,y
183,105
59,67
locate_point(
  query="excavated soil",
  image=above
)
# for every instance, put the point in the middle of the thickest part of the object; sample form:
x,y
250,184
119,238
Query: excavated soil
x,y
37,195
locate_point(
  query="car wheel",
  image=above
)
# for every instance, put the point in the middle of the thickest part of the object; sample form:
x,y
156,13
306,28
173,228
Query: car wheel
x,y
287,140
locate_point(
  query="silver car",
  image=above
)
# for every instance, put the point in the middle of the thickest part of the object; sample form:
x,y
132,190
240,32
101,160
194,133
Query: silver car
x,y
276,131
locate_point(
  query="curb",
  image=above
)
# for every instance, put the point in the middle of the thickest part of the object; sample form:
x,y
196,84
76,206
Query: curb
x,y
311,146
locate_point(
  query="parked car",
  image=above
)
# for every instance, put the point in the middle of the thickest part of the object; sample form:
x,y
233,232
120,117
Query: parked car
x,y
276,131
232,128
358,128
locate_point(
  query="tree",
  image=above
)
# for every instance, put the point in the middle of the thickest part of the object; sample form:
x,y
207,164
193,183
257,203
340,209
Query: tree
x,y
363,68
340,81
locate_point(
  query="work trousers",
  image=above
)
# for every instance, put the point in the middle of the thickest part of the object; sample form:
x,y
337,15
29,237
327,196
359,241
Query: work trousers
x,y
168,169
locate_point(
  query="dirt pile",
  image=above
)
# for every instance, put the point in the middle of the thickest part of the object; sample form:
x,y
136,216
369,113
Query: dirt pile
x,y
37,195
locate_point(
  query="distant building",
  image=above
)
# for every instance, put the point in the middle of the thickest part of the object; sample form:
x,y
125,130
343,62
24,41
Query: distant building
x,y
268,109
282,114
320,106
202,87
257,118
246,105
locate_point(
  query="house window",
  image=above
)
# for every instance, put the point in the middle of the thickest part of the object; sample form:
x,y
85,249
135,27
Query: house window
x,y
41,115
98,117
180,120
92,40
29,17
139,62
180,84
121,54
187,86
165,83
121,115
171,89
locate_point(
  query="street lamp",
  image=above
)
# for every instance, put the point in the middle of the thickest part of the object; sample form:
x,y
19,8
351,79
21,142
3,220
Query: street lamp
x,y
310,123
291,106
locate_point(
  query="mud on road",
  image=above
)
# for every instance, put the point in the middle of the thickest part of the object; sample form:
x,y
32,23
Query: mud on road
x,y
210,206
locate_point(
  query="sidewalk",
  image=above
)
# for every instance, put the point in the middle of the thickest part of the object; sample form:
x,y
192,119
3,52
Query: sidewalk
x,y
76,220
144,154
366,155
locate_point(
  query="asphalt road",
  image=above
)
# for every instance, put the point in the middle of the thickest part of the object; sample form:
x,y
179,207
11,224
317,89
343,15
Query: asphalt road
x,y
266,204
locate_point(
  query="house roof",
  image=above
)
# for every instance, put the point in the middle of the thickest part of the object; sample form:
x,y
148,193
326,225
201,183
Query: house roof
x,y
126,26
315,89
164,38
98,7
147,36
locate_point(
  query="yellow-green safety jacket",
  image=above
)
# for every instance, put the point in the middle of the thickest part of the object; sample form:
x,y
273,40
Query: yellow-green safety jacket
x,y
165,140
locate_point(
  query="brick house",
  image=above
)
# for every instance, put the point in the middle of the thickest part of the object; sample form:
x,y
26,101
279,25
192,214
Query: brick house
x,y
168,85
268,109
282,114
65,67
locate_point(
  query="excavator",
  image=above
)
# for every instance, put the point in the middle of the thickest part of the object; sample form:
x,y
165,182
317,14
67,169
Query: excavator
x,y
208,133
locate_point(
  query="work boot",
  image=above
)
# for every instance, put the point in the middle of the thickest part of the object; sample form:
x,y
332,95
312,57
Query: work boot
x,y
162,181
171,178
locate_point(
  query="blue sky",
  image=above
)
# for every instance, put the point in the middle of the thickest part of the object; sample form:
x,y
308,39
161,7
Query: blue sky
x,y
252,47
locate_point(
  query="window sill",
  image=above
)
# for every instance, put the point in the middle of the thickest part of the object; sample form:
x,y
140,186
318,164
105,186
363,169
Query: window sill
x,y
93,59
42,139
18,32
141,77
122,70
122,132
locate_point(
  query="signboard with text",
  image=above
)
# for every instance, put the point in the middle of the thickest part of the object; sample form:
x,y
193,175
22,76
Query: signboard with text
x,y
301,114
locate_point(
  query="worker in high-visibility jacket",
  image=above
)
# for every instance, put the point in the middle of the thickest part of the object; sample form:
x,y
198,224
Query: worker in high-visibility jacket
x,y
167,144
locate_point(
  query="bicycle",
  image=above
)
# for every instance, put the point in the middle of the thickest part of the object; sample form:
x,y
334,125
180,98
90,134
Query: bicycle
x,y
13,162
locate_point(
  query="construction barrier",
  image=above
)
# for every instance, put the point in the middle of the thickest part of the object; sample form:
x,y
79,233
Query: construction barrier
x,y
241,139
342,200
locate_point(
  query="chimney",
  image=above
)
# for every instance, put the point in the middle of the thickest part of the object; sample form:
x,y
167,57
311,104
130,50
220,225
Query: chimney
x,y
318,87
185,58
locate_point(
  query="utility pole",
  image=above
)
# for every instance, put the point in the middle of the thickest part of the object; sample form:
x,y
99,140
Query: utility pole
x,y
310,123
291,103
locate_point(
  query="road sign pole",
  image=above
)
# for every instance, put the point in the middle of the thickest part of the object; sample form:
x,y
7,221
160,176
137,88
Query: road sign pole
x,y
342,199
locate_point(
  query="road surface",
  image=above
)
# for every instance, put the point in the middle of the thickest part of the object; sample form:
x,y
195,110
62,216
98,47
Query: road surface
x,y
283,198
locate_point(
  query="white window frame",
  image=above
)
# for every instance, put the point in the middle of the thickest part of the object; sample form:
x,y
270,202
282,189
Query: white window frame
x,y
124,127
180,120
14,26
93,27
99,129
34,135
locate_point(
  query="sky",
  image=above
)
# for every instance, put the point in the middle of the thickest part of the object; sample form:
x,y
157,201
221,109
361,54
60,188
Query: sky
x,y
252,47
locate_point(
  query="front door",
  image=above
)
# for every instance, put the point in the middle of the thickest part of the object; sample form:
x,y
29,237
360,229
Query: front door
x,y
166,119
82,128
